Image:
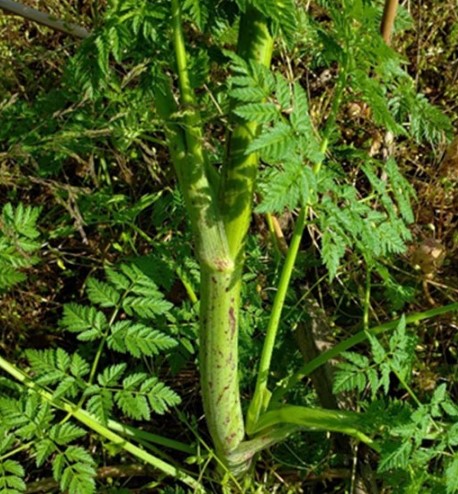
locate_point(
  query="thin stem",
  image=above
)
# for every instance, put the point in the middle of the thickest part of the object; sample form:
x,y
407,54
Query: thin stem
x,y
261,394
273,236
261,441
317,419
193,123
407,387
260,401
389,14
138,434
99,352
186,93
345,345
22,447
367,299
47,20
187,285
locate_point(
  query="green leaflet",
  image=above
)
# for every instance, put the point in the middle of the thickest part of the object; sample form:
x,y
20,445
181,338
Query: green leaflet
x,y
19,242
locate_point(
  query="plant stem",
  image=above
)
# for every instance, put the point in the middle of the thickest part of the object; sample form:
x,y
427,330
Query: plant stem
x,y
139,434
316,419
260,399
22,447
389,14
185,138
264,439
239,169
220,285
219,306
367,298
45,19
261,396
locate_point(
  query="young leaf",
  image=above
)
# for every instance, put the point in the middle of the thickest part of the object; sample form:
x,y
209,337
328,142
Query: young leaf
x,y
287,188
111,375
79,367
101,405
11,477
133,405
258,112
349,377
145,307
78,476
118,280
160,396
332,250
68,387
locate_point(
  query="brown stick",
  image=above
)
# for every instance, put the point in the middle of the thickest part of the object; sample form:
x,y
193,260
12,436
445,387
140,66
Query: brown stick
x,y
280,238
41,18
311,330
389,14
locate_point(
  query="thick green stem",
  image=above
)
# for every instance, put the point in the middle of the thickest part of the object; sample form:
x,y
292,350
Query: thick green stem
x,y
185,138
239,170
220,288
219,308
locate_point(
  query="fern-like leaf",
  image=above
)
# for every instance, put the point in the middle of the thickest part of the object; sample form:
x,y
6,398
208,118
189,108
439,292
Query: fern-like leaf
x,y
274,143
74,470
138,339
258,112
160,396
451,475
101,405
146,307
65,433
11,477
395,455
43,450
87,321
111,375
101,293
282,13
197,11
18,242
287,188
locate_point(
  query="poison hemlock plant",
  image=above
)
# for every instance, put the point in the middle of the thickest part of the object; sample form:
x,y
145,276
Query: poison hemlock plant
x,y
274,145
